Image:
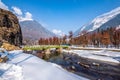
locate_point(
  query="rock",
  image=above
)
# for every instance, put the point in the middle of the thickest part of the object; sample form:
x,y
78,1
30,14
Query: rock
x,y
96,64
10,29
5,59
59,50
68,48
40,54
1,60
47,51
73,67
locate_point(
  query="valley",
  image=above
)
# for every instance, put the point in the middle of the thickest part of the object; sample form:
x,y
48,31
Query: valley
x,y
59,40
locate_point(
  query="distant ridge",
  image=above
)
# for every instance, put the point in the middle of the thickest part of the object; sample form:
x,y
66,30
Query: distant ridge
x,y
32,30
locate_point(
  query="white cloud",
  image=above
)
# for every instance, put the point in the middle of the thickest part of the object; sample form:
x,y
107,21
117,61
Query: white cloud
x,y
28,16
58,32
3,6
17,10
22,16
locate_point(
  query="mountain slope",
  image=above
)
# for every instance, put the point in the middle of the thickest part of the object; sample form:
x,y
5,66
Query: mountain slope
x,y
33,30
110,19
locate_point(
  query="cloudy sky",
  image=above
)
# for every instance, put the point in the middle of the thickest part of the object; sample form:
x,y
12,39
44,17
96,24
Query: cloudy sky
x,y
59,16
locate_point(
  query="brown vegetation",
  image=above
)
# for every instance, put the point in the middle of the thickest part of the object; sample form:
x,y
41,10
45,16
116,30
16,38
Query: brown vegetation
x,y
103,38
100,38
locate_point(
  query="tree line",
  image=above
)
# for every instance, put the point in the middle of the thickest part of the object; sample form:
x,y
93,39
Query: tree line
x,y
100,38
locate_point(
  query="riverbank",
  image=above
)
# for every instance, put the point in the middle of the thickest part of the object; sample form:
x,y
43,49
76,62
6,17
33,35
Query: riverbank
x,y
94,48
92,69
92,64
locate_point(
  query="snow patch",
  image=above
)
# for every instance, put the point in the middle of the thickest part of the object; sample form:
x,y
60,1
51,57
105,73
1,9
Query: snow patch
x,y
35,68
102,55
117,28
10,72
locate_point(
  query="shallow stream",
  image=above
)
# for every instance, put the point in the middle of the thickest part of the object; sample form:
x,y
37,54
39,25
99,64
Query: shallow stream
x,y
92,69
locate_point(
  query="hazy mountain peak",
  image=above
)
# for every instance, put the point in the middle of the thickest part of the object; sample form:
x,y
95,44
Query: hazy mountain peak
x,y
32,29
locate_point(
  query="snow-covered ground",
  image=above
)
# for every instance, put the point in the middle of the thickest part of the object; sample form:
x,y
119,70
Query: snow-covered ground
x,y
102,55
10,72
92,47
28,67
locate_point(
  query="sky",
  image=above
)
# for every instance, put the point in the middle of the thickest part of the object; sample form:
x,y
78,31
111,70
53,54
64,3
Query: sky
x,y
59,16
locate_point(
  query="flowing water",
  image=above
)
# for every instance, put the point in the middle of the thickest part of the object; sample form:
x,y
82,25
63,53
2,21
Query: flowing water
x,y
92,69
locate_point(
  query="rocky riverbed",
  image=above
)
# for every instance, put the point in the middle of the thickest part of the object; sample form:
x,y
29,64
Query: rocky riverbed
x,y
92,69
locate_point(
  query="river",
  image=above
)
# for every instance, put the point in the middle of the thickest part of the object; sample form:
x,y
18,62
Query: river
x,y
92,69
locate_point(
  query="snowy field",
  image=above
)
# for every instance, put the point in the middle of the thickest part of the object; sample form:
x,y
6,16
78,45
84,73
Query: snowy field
x,y
102,55
96,48
10,72
28,67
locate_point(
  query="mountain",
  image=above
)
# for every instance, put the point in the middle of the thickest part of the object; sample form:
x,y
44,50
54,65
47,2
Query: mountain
x,y
33,30
107,20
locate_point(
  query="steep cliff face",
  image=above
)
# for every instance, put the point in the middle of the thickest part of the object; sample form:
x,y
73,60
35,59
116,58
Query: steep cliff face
x,y
9,28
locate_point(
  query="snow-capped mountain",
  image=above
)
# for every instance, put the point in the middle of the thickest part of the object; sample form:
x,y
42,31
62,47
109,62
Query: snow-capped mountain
x,y
31,29
110,19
